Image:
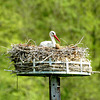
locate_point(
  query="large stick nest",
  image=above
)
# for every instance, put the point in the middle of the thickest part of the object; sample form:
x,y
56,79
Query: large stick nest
x,y
23,55
26,53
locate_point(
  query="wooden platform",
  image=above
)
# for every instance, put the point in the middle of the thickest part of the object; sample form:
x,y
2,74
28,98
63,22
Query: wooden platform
x,y
47,74
51,68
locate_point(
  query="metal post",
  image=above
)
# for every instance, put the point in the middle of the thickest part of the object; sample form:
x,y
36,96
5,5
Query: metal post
x,y
33,65
54,88
81,65
67,67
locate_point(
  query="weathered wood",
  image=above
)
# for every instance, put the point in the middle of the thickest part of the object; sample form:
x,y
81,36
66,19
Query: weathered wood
x,y
54,67
26,53
23,55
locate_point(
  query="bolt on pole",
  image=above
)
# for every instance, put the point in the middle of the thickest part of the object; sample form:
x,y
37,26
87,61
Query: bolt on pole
x,y
54,88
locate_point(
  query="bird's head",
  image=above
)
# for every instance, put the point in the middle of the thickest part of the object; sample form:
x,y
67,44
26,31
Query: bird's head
x,y
53,34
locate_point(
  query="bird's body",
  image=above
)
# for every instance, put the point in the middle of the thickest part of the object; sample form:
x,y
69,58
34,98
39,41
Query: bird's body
x,y
46,44
51,43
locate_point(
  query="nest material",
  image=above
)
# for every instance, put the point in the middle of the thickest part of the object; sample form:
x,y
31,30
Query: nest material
x,y
26,53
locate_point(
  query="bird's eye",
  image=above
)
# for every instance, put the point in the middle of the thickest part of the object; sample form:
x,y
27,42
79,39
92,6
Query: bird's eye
x,y
52,33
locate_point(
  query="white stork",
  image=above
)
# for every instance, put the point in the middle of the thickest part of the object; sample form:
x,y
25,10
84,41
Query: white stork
x,y
51,43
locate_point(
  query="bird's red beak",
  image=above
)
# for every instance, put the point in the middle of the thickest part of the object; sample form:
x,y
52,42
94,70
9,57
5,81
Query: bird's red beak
x,y
56,38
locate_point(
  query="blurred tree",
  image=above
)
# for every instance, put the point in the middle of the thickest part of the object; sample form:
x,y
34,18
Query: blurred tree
x,y
21,20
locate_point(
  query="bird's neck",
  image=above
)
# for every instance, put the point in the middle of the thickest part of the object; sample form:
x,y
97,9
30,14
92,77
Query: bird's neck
x,y
53,41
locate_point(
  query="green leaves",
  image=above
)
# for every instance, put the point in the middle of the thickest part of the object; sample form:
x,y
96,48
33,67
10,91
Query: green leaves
x,y
21,20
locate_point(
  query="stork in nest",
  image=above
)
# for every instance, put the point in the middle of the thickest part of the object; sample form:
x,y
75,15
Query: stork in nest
x,y
51,43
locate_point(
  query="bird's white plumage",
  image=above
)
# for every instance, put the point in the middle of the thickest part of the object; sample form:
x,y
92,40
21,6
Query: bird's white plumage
x,y
51,43
46,44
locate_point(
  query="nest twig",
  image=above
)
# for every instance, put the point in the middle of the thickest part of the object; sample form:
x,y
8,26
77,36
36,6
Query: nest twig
x,y
25,53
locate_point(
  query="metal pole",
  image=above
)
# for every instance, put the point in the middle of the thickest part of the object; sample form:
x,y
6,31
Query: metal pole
x,y
54,88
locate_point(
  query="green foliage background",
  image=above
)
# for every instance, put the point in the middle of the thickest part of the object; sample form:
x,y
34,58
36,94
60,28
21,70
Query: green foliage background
x,y
21,20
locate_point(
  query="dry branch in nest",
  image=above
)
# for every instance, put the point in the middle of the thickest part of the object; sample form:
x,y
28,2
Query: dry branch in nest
x,y
24,54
